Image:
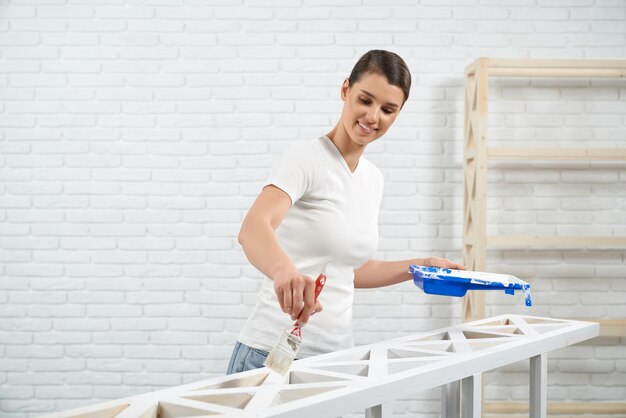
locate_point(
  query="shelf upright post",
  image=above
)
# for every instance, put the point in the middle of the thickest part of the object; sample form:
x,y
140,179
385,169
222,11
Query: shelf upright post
x,y
475,187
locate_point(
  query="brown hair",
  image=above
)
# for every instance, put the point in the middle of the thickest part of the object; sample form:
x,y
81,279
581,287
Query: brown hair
x,y
384,63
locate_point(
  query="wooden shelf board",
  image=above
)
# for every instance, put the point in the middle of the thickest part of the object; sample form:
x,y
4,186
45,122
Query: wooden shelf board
x,y
529,67
522,241
552,415
557,63
557,72
610,327
577,408
565,154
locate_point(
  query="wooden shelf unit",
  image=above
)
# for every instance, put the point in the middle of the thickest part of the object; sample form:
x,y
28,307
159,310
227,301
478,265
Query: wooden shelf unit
x,y
477,154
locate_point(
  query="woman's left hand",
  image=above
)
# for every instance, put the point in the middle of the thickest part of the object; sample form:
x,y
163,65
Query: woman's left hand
x,y
443,263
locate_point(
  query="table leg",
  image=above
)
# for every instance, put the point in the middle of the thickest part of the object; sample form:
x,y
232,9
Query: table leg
x,y
379,411
471,399
538,386
451,400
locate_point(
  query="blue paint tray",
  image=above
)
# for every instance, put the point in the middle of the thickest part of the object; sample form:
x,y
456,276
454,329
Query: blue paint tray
x,y
448,282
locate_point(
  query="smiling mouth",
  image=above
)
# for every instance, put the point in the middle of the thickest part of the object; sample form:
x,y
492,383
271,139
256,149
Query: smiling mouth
x,y
365,128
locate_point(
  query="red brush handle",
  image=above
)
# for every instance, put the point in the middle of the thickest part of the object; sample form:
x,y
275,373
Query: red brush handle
x,y
319,285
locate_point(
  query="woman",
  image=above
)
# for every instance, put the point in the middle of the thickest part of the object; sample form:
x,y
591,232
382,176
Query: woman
x,y
318,213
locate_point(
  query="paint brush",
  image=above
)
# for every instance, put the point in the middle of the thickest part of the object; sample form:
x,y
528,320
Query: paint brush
x,y
289,341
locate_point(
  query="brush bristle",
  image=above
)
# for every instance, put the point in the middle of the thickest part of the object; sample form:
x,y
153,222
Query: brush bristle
x,y
283,353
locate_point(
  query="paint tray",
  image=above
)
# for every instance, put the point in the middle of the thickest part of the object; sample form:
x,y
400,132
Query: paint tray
x,y
448,282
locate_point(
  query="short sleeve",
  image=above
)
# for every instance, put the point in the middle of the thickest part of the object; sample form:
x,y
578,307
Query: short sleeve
x,y
295,170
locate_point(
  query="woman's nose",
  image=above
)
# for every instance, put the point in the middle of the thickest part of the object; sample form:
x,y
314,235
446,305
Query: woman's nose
x,y
372,115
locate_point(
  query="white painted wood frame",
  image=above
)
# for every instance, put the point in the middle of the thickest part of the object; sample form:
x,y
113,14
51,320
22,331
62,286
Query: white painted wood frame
x,y
368,378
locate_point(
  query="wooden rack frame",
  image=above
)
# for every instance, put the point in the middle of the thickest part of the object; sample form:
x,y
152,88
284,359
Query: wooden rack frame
x,y
370,377
478,154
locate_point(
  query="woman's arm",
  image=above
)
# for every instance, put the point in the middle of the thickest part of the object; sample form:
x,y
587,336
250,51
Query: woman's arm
x,y
295,291
378,273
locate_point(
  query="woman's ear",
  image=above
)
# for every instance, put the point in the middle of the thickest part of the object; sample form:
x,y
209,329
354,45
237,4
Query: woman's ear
x,y
344,89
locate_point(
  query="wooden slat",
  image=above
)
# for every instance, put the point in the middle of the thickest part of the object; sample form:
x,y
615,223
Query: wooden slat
x,y
552,241
608,327
550,415
603,408
566,154
502,67
475,169
469,239
471,69
557,72
146,409
556,63
611,327
103,410
470,154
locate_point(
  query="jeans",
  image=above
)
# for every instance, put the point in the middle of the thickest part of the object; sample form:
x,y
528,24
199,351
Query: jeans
x,y
245,358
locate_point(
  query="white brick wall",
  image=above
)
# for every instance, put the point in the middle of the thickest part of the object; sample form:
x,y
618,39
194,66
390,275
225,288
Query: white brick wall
x,y
135,134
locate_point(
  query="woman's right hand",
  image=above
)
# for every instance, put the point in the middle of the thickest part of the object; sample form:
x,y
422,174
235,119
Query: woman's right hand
x,y
296,295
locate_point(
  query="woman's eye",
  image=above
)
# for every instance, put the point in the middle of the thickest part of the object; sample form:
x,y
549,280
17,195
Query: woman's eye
x,y
387,111
365,101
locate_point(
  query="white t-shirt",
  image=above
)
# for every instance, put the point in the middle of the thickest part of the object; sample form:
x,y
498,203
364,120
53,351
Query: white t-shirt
x,y
331,228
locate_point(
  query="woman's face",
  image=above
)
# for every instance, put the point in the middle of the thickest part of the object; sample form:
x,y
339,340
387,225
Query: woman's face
x,y
371,106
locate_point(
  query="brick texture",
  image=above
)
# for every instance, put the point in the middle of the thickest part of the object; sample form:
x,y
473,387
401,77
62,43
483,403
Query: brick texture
x,y
135,134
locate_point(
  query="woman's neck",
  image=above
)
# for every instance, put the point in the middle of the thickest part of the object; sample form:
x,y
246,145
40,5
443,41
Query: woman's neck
x,y
350,151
